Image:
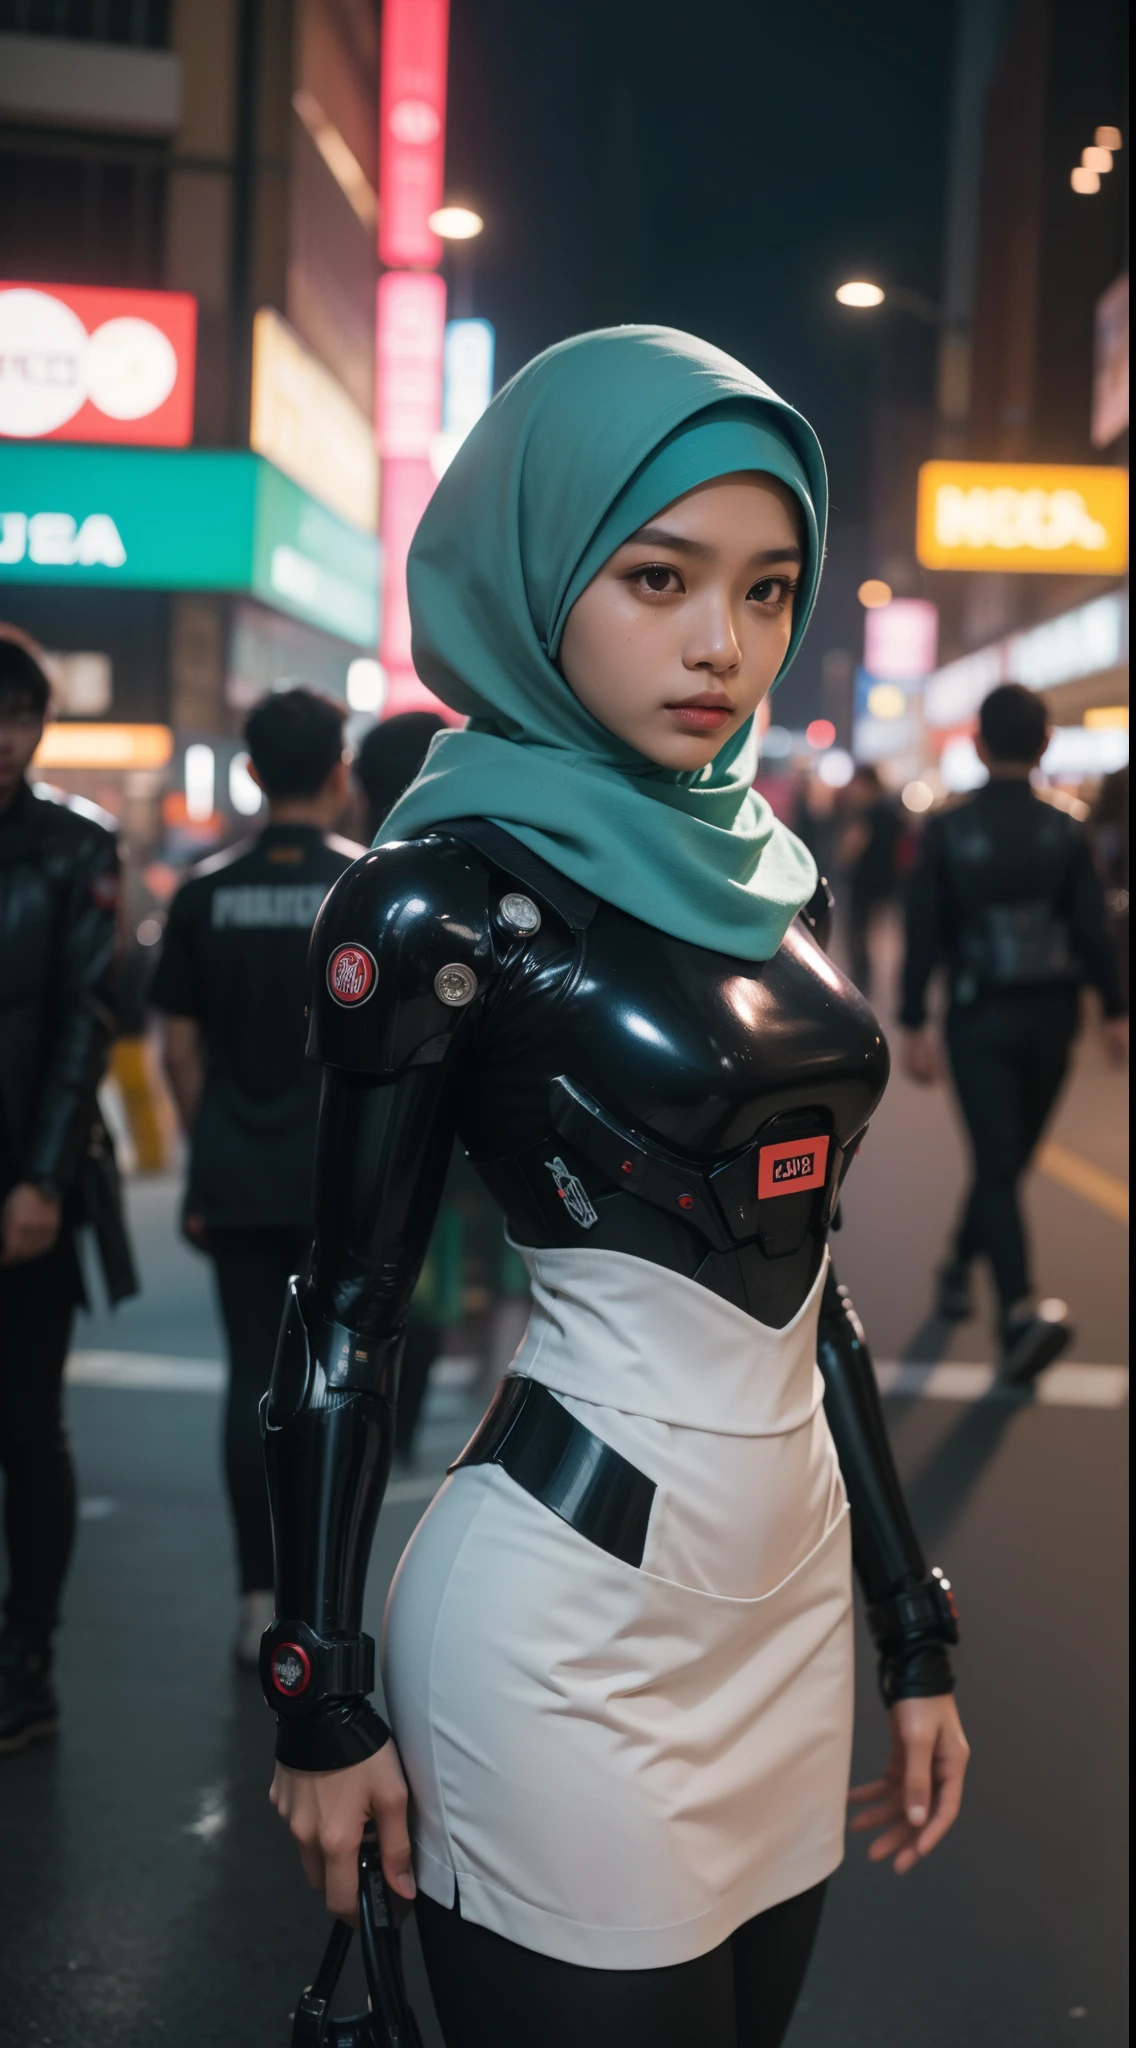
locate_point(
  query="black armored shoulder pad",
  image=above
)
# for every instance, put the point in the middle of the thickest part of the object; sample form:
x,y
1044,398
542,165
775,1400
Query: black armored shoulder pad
x,y
818,913
400,951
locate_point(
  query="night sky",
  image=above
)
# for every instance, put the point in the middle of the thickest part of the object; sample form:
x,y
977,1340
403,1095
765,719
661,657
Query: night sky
x,y
718,167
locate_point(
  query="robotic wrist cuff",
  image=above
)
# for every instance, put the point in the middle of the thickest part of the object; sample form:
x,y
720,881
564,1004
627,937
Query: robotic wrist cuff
x,y
920,1674
346,1733
301,1672
921,1614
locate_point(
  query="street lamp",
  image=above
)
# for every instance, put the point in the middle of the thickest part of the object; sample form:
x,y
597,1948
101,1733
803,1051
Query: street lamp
x,y
862,295
456,223
858,292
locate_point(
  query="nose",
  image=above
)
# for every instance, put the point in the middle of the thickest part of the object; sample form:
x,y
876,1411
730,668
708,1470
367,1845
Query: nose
x,y
713,640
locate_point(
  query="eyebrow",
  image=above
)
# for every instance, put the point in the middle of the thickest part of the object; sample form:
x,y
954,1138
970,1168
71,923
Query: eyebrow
x,y
662,537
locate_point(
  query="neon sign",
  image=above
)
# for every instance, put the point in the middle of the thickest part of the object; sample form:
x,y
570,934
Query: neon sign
x,y
197,520
1045,518
412,130
80,363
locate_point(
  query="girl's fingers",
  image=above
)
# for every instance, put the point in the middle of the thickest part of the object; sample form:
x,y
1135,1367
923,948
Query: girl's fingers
x,y
948,1800
341,1881
394,1848
313,1866
876,1816
887,1844
917,1779
389,1806
875,1790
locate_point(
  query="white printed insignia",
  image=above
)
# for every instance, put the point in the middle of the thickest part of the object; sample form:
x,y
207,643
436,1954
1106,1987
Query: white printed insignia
x,y
573,1194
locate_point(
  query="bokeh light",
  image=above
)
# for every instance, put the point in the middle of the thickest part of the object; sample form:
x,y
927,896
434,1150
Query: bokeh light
x,y
456,223
858,292
836,768
873,593
886,700
366,685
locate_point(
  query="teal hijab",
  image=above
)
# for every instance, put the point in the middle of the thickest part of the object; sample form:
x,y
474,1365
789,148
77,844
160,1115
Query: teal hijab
x,y
587,442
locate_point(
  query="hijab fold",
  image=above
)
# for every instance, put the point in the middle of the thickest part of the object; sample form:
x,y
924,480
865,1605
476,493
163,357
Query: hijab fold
x,y
587,442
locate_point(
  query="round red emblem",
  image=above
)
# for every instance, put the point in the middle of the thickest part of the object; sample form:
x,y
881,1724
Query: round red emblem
x,y
290,1669
351,975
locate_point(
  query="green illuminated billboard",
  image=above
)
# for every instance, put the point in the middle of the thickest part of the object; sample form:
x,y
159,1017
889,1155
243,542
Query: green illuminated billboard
x,y
192,519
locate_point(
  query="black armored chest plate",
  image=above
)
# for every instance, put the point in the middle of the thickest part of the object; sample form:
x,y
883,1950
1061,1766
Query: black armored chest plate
x,y
614,1086
630,1091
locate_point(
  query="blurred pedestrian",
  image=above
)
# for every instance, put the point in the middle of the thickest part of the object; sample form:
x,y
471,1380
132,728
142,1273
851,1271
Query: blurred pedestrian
x,y
869,856
230,985
389,759
1108,832
58,898
387,762
1006,896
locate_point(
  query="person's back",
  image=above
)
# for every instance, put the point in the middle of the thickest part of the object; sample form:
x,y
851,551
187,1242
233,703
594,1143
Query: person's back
x,y
1006,897
233,960
231,984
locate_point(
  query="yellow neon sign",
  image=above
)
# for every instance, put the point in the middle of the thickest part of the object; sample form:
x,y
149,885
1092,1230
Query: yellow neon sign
x,y
1044,517
71,744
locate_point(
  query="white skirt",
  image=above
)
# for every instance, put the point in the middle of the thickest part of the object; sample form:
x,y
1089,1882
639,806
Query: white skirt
x,y
619,1766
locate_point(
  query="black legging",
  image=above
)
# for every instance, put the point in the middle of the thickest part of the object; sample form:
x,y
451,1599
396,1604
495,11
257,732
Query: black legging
x,y
1009,1054
37,1305
490,1993
253,1269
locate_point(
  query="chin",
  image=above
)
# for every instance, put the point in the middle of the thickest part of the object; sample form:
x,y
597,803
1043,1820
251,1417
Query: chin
x,y
683,754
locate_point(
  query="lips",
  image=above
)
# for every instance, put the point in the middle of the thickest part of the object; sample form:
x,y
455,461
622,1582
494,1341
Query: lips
x,y
709,711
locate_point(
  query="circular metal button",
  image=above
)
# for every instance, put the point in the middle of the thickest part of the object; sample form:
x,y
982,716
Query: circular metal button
x,y
520,912
455,985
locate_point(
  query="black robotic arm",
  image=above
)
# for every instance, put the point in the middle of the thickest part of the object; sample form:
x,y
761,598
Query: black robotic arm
x,y
910,1611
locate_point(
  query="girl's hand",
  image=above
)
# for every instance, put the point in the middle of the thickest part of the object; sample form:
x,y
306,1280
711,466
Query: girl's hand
x,y
920,1058
920,1793
327,1812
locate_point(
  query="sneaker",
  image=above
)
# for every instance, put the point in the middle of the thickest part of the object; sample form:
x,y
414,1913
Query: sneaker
x,y
257,1612
952,1301
1031,1342
29,1710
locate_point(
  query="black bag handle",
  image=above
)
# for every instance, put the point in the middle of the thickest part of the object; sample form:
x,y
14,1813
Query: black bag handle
x,y
389,2023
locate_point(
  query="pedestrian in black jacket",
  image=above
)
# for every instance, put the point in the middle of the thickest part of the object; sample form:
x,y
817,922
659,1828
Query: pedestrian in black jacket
x,y
1006,896
230,983
58,896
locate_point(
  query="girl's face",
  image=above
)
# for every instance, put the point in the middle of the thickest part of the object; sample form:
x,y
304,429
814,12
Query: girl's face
x,y
675,642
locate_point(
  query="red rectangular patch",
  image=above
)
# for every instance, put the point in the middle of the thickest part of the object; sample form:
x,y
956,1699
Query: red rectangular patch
x,y
791,1168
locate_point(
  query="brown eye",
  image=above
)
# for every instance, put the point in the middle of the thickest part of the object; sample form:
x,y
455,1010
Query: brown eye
x,y
656,578
771,590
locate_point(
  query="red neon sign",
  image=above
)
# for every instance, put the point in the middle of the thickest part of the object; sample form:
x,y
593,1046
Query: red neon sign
x,y
411,326
412,130
80,363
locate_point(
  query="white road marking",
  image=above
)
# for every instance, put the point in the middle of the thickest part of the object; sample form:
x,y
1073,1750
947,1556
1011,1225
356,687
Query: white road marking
x,y
1059,1386
422,1488
149,1369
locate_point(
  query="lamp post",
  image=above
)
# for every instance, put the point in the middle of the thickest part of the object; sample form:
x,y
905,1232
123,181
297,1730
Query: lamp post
x,y
459,226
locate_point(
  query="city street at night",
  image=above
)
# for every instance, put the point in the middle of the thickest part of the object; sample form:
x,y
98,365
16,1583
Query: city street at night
x,y
151,1895
530,536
